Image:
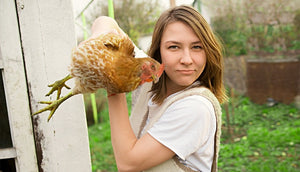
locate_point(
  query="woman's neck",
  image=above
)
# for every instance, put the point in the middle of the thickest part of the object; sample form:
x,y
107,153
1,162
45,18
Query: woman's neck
x,y
173,88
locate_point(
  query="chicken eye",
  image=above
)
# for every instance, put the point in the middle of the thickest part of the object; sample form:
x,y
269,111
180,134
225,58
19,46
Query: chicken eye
x,y
153,67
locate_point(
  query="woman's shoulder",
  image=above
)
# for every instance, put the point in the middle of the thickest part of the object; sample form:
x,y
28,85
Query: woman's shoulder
x,y
192,103
195,100
198,93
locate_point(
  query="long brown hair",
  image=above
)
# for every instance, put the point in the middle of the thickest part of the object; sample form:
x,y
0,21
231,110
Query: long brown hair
x,y
212,75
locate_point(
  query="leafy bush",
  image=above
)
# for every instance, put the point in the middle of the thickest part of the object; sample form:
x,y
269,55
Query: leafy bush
x,y
232,34
255,27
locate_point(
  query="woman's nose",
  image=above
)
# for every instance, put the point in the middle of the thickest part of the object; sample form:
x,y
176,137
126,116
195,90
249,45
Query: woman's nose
x,y
186,58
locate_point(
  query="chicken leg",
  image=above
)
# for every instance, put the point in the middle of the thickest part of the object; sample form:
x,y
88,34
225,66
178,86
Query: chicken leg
x,y
58,85
53,105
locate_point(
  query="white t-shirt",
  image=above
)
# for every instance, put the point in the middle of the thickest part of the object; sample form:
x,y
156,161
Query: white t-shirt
x,y
187,128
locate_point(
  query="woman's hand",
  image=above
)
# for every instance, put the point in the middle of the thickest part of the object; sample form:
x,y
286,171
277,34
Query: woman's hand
x,y
104,24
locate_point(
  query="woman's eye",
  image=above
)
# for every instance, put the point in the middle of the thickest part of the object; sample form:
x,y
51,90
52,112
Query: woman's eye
x,y
173,47
197,47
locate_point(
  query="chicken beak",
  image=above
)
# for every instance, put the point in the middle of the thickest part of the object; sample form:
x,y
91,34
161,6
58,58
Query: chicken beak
x,y
155,79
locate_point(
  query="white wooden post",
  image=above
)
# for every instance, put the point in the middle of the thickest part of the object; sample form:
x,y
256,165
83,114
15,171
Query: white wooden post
x,y
12,68
47,38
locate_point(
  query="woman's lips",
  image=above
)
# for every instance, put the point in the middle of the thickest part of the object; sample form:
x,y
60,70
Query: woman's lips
x,y
186,71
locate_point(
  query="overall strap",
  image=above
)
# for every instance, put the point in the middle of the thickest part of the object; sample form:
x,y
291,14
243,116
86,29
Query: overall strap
x,y
139,112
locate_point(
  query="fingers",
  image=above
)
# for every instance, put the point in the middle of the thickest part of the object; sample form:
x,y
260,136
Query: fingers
x,y
104,24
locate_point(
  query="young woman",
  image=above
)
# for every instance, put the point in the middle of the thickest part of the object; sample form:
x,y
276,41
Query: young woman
x,y
175,124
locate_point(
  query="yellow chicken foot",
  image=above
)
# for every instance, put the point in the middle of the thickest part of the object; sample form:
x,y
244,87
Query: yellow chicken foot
x,y
58,85
53,105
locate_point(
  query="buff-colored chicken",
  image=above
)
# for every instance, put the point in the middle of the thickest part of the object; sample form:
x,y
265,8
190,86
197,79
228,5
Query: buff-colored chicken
x,y
105,62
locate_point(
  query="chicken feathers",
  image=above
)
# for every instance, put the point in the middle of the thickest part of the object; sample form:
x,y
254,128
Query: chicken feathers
x,y
105,62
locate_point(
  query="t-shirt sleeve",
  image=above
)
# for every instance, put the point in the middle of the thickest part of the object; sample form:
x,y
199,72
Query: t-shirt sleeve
x,y
185,125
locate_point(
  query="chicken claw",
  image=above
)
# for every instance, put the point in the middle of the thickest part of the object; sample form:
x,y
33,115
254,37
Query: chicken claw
x,y
58,85
53,105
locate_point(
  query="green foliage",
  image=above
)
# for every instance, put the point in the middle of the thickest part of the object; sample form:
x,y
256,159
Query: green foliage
x,y
101,149
101,105
256,27
232,34
100,141
264,139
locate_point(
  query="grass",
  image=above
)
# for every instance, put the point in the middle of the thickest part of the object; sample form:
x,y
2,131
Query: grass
x,y
100,144
261,138
101,149
255,138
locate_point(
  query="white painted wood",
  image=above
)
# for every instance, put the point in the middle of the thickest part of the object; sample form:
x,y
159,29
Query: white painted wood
x,y
8,153
48,36
1,61
15,89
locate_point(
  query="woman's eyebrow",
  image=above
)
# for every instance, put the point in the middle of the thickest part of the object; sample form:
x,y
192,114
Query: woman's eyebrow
x,y
171,41
197,42
178,42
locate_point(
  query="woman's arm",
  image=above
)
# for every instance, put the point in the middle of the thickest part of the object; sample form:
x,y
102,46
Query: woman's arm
x,y
131,154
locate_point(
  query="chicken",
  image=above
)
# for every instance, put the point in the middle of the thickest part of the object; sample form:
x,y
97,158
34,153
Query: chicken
x,y
104,62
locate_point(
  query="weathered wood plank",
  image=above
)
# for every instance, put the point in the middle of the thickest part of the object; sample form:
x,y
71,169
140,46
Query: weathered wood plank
x,y
48,37
8,153
16,89
1,59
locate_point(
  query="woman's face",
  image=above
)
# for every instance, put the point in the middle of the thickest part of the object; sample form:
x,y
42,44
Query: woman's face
x,y
183,56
